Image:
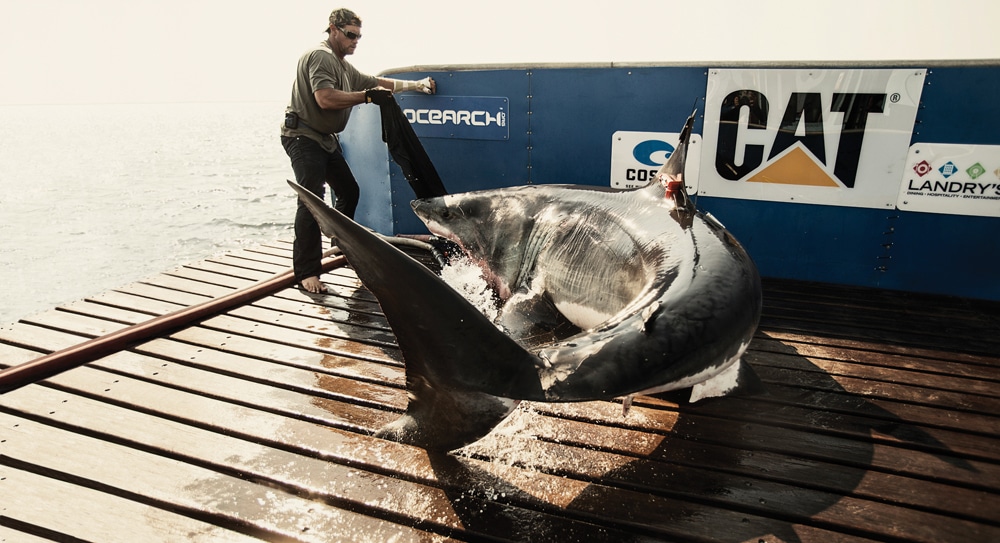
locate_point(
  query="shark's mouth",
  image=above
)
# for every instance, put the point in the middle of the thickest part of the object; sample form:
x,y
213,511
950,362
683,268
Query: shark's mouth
x,y
493,279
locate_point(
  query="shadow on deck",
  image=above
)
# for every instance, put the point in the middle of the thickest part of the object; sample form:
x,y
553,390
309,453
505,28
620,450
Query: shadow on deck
x,y
880,422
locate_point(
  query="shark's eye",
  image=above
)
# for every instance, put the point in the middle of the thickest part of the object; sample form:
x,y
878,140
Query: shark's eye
x,y
446,214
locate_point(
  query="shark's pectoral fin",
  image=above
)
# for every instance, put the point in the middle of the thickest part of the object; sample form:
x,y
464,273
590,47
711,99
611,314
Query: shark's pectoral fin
x,y
533,320
443,419
738,379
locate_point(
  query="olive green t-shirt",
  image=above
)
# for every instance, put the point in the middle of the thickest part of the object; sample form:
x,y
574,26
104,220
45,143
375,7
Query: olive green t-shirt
x,y
320,68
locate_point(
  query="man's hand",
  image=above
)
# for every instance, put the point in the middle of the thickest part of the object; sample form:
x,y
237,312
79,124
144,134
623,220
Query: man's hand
x,y
378,95
427,86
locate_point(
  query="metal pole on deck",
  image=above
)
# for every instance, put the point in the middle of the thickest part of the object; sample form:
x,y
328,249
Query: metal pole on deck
x,y
57,362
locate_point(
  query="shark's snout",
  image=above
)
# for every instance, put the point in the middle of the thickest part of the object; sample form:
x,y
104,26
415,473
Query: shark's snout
x,y
427,207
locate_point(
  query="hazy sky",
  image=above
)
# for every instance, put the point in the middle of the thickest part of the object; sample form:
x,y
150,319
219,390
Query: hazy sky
x,y
111,51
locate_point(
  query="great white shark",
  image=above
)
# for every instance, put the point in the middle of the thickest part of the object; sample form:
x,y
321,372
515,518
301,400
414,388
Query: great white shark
x,y
606,293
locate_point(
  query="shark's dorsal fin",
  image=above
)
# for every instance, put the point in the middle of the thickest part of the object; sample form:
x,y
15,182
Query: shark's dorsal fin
x,y
670,177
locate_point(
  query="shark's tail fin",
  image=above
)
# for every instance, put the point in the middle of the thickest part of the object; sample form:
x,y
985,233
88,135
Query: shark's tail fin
x,y
433,323
458,364
443,418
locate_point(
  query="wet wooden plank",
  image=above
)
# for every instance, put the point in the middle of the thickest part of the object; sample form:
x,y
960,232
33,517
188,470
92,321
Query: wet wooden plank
x,y
39,339
862,369
82,325
666,456
11,355
894,317
123,315
860,424
338,306
466,481
162,294
930,362
796,341
151,478
707,484
870,422
244,259
134,302
282,247
341,297
234,269
212,277
901,385
885,387
803,442
22,534
862,298
301,394
348,487
372,350
186,291
216,349
341,328
256,255
90,514
354,313
190,286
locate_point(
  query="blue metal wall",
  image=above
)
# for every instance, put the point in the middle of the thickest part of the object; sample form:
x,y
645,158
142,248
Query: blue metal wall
x,y
561,120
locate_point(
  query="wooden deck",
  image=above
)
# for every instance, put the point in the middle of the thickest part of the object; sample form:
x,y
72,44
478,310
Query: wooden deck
x,y
881,422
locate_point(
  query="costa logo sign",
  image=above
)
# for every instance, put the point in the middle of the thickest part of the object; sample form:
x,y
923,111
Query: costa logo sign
x,y
637,156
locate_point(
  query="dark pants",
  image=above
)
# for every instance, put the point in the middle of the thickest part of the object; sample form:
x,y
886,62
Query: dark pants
x,y
315,168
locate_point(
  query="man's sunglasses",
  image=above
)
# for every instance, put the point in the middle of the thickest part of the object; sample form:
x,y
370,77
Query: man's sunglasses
x,y
350,35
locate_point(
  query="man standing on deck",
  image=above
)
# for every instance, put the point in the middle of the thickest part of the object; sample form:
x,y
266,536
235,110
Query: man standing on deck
x,y
326,88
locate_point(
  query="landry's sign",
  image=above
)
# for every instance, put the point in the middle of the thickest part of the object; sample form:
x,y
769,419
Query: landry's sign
x,y
820,136
951,178
457,117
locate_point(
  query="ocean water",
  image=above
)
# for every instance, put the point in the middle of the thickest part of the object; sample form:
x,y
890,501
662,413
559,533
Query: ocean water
x,y
94,197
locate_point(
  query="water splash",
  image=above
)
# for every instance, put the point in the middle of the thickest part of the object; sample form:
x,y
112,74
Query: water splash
x,y
467,278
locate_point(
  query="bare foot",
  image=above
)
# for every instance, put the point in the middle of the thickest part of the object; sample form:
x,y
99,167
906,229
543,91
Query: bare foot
x,y
312,284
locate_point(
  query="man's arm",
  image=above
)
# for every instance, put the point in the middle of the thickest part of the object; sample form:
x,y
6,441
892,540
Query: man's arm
x,y
425,85
338,99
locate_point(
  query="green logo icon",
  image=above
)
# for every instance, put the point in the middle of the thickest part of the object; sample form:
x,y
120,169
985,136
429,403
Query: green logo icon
x,y
975,170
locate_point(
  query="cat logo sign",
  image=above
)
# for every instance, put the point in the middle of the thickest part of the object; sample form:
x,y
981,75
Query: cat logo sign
x,y
834,137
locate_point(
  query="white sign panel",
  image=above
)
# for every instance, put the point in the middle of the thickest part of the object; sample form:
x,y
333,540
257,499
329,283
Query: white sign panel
x,y
818,136
637,156
953,179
